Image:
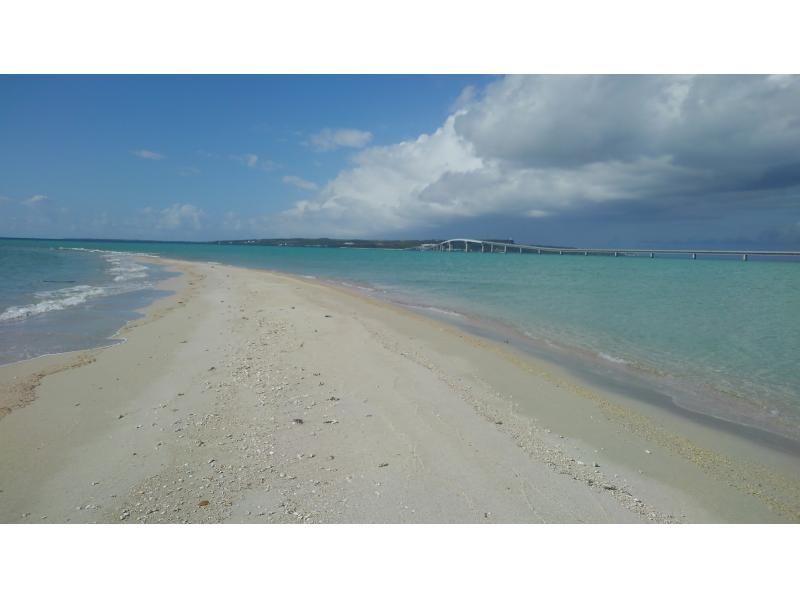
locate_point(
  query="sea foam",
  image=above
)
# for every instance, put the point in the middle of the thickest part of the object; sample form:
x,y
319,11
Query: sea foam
x,y
128,276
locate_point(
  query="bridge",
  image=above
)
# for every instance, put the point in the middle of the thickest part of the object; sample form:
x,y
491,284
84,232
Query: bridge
x,y
477,245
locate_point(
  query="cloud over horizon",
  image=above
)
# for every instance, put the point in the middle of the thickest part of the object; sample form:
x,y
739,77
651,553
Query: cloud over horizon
x,y
179,216
547,147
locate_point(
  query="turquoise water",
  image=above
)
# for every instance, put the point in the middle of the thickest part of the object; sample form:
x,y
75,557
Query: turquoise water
x,y
719,336
53,300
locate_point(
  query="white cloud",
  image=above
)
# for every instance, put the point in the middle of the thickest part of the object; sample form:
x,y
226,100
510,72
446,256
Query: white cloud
x,y
250,159
330,139
533,147
179,216
299,182
34,200
253,161
147,154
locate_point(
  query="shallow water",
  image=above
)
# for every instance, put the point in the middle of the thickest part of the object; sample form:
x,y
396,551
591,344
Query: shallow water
x,y
56,300
720,336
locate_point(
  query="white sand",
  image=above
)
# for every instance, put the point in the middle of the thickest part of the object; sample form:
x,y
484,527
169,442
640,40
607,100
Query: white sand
x,y
404,419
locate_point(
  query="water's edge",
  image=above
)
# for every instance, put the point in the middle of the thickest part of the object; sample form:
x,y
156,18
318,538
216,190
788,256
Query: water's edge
x,y
596,367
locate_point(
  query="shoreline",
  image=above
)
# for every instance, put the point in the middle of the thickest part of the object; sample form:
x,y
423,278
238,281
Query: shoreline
x,y
630,384
33,369
479,374
619,379
579,365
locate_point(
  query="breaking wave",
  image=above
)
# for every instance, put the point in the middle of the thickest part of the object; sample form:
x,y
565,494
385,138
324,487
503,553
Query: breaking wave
x,y
127,276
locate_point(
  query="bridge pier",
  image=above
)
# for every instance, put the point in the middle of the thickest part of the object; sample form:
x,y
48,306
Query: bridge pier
x,y
505,248
466,246
481,247
744,257
694,256
652,255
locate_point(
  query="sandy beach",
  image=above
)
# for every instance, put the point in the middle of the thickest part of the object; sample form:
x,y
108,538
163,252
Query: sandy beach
x,y
251,396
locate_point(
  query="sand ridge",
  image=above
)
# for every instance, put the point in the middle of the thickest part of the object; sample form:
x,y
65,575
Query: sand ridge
x,y
251,396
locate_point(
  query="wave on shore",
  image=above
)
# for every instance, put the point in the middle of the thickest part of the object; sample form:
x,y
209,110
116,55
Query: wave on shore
x,y
127,276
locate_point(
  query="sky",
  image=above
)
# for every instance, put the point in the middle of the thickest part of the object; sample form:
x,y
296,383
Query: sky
x,y
603,161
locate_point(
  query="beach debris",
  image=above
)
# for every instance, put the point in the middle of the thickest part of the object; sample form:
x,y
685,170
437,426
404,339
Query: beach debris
x,y
647,451
297,420
331,421
609,487
203,503
334,399
124,515
212,368
595,464
328,316
499,422
383,465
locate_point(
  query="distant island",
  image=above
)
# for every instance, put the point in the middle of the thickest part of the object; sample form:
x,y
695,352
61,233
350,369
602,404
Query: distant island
x,y
346,243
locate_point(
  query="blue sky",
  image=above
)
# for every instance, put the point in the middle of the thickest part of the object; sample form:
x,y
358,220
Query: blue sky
x,y
702,161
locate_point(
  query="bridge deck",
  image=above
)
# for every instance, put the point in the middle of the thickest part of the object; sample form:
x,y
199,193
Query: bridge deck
x,y
541,249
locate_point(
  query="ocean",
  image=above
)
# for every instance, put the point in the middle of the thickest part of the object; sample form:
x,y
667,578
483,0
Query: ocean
x,y
54,300
716,336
